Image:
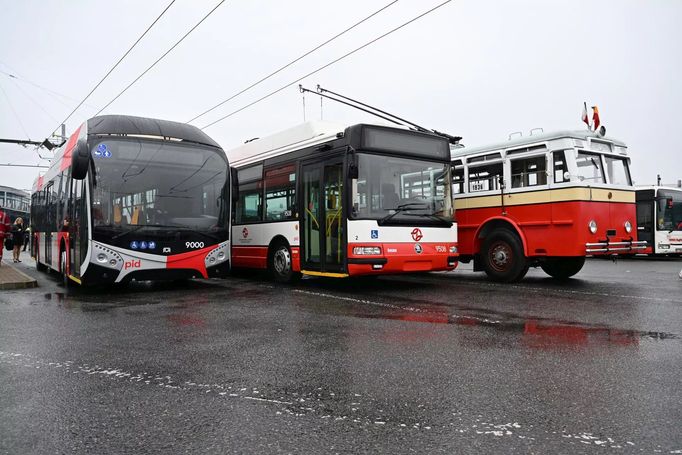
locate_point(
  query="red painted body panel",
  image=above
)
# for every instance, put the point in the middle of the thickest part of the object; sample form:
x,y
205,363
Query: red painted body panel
x,y
192,260
254,257
402,257
554,229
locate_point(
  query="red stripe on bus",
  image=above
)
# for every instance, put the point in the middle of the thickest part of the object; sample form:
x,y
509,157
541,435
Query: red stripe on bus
x,y
250,256
192,260
68,151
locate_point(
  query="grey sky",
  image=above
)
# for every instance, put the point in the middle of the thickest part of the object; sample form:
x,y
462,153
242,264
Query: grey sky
x,y
480,69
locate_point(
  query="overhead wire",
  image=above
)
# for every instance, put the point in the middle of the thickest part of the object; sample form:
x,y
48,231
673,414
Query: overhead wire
x,y
292,62
348,54
54,94
40,106
160,58
11,106
115,65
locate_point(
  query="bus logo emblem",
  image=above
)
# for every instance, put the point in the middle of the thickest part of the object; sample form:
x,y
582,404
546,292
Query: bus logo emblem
x,y
417,235
418,248
245,232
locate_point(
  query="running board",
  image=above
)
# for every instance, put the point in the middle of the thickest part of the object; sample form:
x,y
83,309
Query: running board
x,y
325,274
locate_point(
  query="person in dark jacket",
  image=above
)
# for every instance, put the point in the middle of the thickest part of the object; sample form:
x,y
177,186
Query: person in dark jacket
x,y
17,238
4,231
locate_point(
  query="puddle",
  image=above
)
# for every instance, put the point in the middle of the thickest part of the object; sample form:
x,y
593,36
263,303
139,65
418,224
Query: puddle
x,y
534,331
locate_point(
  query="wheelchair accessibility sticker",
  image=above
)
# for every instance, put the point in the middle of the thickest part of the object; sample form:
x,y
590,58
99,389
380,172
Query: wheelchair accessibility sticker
x,y
374,233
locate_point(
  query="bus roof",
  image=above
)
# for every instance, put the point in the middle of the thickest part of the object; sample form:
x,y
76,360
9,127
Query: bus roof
x,y
536,139
303,135
657,187
141,126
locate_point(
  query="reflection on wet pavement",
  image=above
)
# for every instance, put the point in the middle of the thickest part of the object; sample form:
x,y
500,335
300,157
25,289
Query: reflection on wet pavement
x,y
535,331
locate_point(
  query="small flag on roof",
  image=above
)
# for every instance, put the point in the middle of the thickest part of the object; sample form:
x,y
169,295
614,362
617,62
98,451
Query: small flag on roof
x,y
586,119
595,117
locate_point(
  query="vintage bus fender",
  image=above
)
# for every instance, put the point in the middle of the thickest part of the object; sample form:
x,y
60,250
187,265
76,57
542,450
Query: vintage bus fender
x,y
496,222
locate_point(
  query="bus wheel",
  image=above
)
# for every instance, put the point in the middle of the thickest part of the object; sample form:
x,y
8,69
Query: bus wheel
x,y
62,263
562,268
40,267
503,258
279,263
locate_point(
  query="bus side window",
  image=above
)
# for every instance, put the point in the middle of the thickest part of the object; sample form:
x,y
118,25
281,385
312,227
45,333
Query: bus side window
x,y
485,178
560,167
529,171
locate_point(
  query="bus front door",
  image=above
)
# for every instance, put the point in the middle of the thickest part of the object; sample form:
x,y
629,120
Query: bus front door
x,y
323,245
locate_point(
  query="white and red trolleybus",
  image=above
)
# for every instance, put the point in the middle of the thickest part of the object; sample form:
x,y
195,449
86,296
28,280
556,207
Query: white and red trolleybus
x,y
659,219
133,198
332,200
545,200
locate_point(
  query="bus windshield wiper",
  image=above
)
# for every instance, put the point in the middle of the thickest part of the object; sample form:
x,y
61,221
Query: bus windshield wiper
x,y
129,231
164,226
402,208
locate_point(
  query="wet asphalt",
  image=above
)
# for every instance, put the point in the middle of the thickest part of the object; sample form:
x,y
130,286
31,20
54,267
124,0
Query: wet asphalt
x,y
431,363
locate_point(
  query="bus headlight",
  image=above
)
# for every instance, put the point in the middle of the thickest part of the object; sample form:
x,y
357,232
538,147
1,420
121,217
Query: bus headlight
x,y
628,226
593,226
217,255
364,250
453,249
102,258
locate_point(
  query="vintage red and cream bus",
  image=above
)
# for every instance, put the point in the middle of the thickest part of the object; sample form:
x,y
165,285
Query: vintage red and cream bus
x,y
131,198
659,219
336,200
546,200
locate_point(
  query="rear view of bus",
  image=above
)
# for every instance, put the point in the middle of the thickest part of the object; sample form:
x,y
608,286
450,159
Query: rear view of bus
x,y
130,198
333,200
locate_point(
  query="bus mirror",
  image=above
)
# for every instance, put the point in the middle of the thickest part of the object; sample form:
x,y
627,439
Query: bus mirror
x,y
235,184
80,160
353,171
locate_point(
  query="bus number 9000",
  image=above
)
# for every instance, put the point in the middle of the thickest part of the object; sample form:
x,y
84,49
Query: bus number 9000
x,y
194,244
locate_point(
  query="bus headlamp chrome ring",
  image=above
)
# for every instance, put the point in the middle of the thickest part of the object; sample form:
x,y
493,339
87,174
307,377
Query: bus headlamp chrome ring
x,y
217,255
592,225
106,257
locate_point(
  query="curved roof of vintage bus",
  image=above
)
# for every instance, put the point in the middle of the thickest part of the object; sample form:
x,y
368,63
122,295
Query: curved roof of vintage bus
x,y
534,139
141,126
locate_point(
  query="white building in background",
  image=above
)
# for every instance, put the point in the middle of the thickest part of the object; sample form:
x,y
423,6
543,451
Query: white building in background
x,y
15,202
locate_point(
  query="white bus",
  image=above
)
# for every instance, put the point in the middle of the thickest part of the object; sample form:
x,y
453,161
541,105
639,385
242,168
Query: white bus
x,y
659,219
333,200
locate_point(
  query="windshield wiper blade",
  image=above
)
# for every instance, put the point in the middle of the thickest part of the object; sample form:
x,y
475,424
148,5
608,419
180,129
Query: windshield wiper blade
x,y
135,229
402,208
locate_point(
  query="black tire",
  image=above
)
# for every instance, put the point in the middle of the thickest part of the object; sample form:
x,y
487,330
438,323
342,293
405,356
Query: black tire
x,y
63,266
280,263
40,267
563,268
502,256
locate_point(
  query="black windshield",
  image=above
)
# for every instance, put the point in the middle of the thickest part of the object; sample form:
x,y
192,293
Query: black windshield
x,y
142,182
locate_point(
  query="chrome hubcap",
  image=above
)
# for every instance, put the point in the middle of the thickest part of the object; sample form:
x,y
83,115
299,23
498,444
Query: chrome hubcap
x,y
282,261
